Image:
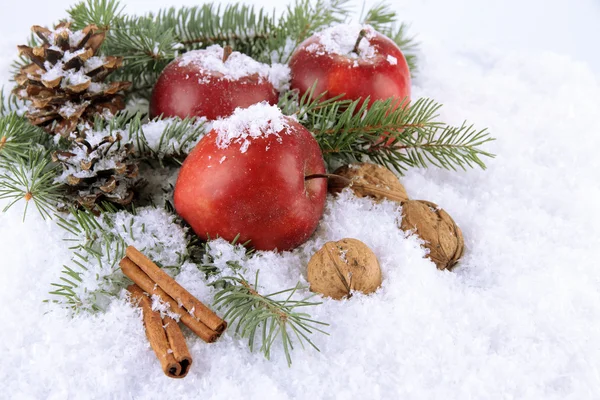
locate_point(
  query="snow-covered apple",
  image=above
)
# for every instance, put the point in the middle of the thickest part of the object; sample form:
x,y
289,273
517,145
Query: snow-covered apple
x,y
352,60
213,82
247,177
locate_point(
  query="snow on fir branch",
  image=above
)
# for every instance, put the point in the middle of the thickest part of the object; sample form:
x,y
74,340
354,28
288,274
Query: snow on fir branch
x,y
93,278
148,43
98,244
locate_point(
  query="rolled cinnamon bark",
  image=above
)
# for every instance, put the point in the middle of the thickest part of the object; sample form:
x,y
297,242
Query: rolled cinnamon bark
x,y
131,270
176,291
178,345
168,343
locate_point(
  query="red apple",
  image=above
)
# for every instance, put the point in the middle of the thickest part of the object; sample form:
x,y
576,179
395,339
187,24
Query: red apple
x,y
351,60
247,177
207,83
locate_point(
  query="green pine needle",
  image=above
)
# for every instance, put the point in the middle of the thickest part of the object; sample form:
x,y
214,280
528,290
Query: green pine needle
x,y
266,317
17,136
30,179
409,135
99,12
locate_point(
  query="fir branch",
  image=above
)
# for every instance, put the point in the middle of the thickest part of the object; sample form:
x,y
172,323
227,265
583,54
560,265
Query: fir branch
x,y
8,103
148,43
17,136
102,13
266,316
303,19
30,179
259,318
93,242
396,135
177,139
237,25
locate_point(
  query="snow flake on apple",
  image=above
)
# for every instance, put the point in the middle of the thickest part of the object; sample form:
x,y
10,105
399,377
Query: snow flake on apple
x,y
341,39
245,124
236,66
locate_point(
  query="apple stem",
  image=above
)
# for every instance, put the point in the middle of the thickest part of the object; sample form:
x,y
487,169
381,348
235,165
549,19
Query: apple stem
x,y
227,50
328,176
361,35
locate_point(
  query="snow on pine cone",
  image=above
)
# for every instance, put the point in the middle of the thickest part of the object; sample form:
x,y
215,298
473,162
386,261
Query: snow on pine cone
x,y
63,85
97,167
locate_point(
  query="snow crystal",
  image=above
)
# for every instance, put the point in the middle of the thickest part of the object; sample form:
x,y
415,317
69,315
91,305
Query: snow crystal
x,y
154,130
53,71
237,66
97,87
341,39
279,76
93,63
392,60
163,308
245,124
154,232
75,38
74,77
68,109
68,55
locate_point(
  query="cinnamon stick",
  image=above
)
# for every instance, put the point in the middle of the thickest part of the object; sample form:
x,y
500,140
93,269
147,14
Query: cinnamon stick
x,y
176,291
167,342
177,345
133,272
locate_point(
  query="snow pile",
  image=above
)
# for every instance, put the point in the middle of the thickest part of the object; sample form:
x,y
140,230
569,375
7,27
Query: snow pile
x,y
245,124
341,39
236,67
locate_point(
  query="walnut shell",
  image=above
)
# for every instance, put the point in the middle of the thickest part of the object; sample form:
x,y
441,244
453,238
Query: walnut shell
x,y
340,267
442,236
368,180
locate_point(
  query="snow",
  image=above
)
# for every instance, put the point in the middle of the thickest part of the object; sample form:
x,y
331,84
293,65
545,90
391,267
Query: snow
x,y
153,133
93,63
518,319
244,125
341,39
236,67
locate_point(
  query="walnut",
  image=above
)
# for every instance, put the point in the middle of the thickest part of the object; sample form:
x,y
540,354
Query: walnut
x,y
442,236
341,267
370,180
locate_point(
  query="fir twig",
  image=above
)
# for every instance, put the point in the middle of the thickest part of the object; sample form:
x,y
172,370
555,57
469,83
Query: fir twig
x,y
266,316
93,242
102,13
396,135
17,136
176,140
30,179
148,43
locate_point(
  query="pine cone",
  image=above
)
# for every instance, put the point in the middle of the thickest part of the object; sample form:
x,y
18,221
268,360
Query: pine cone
x,y
64,85
97,168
